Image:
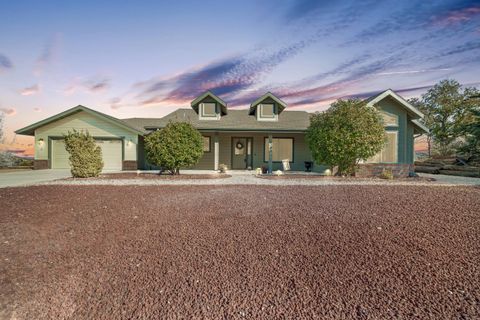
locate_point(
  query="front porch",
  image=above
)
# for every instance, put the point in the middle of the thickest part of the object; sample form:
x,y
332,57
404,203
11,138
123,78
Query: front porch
x,y
251,150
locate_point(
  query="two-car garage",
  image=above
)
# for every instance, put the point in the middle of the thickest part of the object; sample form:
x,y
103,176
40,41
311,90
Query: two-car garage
x,y
117,139
111,154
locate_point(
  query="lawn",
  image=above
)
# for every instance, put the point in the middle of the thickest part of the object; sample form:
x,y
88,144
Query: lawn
x,y
256,252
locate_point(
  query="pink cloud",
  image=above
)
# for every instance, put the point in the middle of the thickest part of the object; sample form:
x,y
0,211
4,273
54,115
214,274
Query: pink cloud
x,y
8,111
458,16
30,91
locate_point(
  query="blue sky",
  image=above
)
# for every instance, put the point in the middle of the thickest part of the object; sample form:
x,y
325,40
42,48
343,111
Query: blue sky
x,y
147,58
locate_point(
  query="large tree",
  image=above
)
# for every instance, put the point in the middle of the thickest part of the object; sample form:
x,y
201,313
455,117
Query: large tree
x,y
471,145
447,107
177,145
345,134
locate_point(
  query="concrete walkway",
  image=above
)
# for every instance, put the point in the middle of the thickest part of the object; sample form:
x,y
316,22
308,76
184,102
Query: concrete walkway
x,y
29,177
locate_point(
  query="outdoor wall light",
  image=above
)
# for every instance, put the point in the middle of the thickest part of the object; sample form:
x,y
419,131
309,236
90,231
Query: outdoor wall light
x,y
128,143
40,143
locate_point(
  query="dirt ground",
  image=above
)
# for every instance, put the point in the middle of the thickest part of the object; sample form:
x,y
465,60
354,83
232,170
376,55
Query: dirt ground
x,y
240,252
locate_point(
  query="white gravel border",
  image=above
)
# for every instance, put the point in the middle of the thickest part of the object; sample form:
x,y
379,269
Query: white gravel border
x,y
249,179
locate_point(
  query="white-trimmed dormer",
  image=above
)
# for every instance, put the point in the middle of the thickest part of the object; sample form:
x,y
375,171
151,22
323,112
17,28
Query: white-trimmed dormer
x,y
267,107
209,107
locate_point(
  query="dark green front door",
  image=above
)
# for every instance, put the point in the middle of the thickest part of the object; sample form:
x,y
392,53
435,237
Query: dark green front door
x,y
241,153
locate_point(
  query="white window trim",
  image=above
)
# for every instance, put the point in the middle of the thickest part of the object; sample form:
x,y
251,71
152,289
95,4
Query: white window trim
x,y
201,113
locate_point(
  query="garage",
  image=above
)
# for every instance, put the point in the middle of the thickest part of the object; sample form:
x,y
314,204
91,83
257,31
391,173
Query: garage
x,y
111,154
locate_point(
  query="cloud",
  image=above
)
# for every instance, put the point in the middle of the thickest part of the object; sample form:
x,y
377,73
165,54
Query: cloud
x,y
48,55
115,103
29,91
37,109
93,85
8,111
466,47
224,77
96,86
457,16
5,63
389,73
302,8
420,15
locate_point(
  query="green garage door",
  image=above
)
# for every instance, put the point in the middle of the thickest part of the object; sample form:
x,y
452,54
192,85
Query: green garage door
x,y
111,153
59,155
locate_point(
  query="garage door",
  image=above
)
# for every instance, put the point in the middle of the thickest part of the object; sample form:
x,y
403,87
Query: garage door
x,y
111,154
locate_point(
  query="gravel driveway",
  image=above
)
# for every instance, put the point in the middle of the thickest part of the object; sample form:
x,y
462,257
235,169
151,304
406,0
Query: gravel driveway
x,y
240,252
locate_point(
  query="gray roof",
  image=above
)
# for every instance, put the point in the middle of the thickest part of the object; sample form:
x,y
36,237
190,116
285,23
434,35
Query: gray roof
x,y
235,120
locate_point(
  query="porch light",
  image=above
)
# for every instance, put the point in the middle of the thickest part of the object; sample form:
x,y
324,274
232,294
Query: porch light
x,y
40,142
128,143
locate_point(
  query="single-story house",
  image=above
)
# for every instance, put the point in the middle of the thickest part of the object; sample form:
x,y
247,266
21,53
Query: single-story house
x,y
240,139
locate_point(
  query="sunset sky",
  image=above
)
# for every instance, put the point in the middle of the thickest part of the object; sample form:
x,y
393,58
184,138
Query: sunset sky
x,y
147,58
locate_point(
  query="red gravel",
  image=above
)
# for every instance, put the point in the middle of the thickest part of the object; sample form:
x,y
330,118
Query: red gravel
x,y
234,252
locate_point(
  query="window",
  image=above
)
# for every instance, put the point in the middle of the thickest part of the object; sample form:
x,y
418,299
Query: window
x,y
282,149
267,111
206,144
389,152
389,119
209,109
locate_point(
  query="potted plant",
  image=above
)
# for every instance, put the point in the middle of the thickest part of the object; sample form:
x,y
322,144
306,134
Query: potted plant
x,y
222,168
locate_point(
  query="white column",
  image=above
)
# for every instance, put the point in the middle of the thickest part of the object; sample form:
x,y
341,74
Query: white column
x,y
216,150
270,147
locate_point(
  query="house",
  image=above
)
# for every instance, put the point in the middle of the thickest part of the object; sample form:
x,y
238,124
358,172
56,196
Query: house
x,y
241,139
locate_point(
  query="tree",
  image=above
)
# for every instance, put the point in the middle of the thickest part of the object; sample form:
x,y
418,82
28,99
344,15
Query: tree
x,y
428,120
85,156
177,145
447,108
345,134
471,147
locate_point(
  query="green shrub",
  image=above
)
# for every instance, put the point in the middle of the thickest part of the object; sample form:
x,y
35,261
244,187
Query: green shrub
x,y
346,133
386,174
176,146
85,156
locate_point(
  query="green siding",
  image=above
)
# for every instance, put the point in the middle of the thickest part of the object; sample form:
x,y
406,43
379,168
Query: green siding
x,y
301,152
96,126
405,138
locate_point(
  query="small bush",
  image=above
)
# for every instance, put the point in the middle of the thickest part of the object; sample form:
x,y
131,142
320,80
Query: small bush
x,y
222,168
386,174
85,155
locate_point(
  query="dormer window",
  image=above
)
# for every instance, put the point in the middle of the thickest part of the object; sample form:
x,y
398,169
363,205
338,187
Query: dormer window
x,y
267,110
267,107
209,107
208,110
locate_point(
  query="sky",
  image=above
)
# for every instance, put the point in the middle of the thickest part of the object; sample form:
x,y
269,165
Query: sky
x,y
148,58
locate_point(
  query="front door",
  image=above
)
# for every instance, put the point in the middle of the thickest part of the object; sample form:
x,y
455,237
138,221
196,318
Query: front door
x,y
241,153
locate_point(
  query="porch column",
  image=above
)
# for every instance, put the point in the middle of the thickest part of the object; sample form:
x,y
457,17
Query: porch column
x,y
216,150
270,147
